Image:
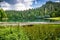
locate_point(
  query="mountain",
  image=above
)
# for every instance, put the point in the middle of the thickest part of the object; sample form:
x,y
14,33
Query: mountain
x,y
50,9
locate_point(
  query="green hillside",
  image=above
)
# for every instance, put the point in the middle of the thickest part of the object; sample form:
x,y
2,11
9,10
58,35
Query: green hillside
x,y
51,8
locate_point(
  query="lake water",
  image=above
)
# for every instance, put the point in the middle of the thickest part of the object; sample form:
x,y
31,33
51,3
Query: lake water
x,y
28,20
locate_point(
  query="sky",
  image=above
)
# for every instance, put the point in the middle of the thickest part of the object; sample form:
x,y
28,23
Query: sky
x,y
22,4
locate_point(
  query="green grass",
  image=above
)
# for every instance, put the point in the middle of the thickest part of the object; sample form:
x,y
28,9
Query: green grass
x,y
34,32
55,18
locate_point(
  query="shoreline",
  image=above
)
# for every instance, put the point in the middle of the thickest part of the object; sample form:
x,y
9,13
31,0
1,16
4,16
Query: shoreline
x,y
25,23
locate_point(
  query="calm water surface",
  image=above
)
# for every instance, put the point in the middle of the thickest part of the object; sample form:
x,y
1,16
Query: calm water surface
x,y
28,20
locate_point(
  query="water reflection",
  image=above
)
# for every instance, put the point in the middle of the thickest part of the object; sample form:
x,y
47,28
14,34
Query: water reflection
x,y
29,20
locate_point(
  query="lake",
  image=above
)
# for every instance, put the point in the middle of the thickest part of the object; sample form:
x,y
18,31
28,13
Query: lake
x,y
28,20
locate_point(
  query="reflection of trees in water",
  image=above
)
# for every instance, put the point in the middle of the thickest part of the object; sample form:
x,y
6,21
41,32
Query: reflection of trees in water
x,y
53,20
31,20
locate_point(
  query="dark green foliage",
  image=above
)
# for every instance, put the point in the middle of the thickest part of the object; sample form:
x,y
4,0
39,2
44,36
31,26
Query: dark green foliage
x,y
3,15
51,8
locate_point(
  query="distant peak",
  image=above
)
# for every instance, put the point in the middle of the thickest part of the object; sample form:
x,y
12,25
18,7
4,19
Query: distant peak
x,y
49,2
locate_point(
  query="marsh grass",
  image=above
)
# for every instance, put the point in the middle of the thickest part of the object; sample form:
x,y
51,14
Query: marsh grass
x,y
35,32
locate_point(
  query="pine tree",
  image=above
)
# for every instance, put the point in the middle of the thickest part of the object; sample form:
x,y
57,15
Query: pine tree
x,y
3,16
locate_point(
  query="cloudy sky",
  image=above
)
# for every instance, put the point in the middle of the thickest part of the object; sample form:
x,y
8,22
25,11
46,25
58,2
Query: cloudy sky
x,y
22,4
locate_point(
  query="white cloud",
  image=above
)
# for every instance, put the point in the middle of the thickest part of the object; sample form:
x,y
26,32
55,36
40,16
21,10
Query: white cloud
x,y
28,0
57,1
19,6
25,5
18,0
5,5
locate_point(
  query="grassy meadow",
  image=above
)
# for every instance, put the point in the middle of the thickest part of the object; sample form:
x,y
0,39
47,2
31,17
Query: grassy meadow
x,y
54,18
30,32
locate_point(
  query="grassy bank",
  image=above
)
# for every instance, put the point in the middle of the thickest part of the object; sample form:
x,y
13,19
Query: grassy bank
x,y
55,18
30,32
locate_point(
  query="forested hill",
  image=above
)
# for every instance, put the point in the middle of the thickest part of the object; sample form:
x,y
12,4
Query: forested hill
x,y
50,9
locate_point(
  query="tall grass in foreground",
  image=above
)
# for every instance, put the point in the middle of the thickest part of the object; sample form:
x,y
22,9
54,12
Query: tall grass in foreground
x,y
30,32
